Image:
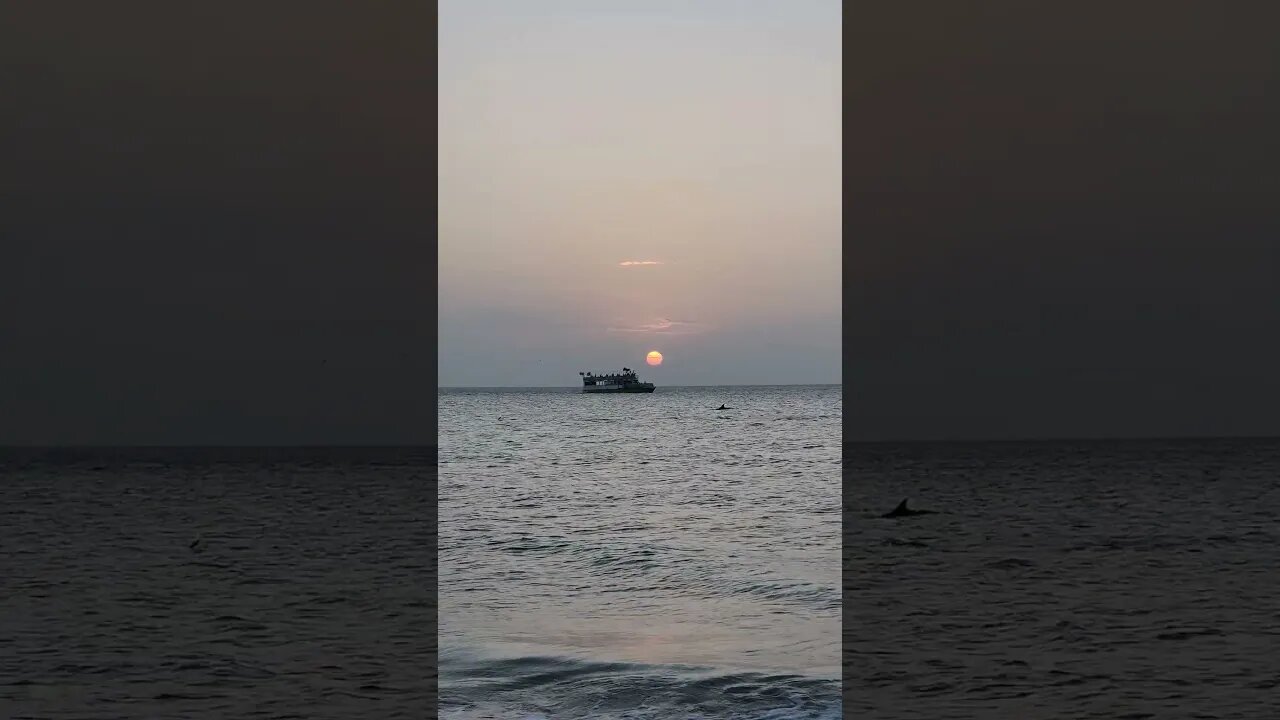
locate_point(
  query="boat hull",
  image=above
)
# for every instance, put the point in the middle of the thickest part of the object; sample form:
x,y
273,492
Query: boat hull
x,y
637,388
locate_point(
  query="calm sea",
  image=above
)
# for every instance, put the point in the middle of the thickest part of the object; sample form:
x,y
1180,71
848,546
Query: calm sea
x,y
308,595
1065,580
640,556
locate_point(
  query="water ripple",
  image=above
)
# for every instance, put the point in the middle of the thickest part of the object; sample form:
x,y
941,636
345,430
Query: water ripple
x,y
1067,579
640,557
308,593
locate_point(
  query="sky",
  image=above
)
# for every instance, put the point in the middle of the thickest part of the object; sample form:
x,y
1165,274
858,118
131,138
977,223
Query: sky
x,y
216,224
633,175
1063,221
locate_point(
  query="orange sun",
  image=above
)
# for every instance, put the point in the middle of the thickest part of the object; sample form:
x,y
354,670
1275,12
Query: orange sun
x,y
653,358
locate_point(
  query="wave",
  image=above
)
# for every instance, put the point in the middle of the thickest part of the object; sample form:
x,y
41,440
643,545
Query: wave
x,y
557,688
658,566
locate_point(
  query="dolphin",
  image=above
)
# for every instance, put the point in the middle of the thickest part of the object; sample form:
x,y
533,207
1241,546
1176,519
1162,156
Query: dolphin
x,y
902,511
722,407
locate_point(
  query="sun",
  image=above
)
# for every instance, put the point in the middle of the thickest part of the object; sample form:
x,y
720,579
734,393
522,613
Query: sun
x,y
653,358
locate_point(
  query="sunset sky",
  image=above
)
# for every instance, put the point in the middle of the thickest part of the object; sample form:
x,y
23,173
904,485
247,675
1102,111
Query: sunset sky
x,y
625,176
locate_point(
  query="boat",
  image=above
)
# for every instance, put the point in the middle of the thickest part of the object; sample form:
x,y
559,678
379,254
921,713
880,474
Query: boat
x,y
623,382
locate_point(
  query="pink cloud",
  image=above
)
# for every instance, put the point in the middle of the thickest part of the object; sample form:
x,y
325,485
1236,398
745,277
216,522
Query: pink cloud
x,y
661,326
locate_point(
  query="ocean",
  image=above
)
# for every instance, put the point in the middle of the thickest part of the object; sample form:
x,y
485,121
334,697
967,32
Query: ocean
x,y
640,556
643,556
309,592
1120,579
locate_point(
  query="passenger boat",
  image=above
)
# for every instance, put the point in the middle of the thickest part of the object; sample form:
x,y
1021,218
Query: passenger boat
x,y
623,382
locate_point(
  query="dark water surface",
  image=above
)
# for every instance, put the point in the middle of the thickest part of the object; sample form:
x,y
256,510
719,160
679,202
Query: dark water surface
x,y
640,556
309,594
1065,580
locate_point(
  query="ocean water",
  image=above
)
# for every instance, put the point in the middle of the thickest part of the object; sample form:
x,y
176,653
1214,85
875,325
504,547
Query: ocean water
x,y
1064,580
308,595
640,556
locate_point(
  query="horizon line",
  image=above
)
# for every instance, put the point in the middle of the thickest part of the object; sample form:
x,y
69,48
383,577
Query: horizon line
x,y
572,387
1057,439
435,446
216,446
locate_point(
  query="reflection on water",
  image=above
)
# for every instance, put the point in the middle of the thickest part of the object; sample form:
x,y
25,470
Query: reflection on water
x,y
640,554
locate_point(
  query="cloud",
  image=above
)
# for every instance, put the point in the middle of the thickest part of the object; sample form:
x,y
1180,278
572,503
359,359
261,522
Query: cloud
x,y
661,326
633,263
